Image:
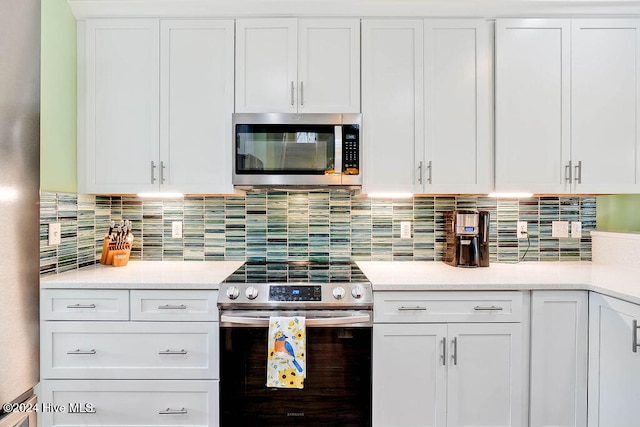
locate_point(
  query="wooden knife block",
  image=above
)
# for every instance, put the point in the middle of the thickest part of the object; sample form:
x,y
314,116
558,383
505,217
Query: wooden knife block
x,y
115,254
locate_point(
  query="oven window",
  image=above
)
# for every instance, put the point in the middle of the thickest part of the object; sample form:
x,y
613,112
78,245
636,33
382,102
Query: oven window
x,y
285,149
337,390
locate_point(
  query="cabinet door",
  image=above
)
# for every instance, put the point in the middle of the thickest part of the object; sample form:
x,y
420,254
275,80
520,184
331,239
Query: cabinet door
x,y
614,366
329,65
197,63
118,105
458,149
605,83
485,376
559,334
409,375
266,65
532,105
392,104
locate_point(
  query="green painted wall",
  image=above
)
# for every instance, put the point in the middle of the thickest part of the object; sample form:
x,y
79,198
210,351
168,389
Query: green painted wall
x,y
58,115
619,213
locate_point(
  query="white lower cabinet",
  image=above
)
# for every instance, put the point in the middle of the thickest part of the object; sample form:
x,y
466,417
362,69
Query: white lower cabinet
x,y
448,374
559,341
614,362
130,372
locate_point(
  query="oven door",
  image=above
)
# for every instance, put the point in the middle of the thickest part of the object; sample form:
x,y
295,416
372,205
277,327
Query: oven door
x,y
337,390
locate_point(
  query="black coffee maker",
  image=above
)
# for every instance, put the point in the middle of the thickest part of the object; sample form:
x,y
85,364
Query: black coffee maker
x,y
467,238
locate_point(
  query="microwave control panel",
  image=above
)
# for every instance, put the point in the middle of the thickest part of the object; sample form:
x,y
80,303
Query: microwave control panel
x,y
351,148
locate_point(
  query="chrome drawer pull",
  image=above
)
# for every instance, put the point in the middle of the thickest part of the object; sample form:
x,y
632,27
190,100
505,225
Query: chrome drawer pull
x,y
81,306
492,308
170,411
634,338
78,351
172,307
416,308
183,351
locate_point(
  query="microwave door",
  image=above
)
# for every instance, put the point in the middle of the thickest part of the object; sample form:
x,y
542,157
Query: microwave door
x,y
338,150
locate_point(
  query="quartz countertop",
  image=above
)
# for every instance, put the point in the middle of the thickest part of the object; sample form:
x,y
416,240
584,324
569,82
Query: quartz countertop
x,y
615,281
145,275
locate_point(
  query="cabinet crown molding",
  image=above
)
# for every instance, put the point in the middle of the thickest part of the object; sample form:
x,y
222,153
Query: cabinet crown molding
x,y
83,9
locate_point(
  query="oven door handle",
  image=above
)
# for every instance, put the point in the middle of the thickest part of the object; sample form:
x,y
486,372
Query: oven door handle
x,y
326,321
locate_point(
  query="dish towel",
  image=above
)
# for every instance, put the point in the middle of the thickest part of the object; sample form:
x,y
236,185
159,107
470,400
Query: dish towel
x,y
286,361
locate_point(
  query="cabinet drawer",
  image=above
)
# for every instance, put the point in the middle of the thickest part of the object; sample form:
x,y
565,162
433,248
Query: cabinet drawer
x,y
420,307
130,350
84,304
198,306
131,403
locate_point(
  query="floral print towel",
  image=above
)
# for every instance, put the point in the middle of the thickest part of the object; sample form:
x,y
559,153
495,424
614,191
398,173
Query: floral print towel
x,y
286,362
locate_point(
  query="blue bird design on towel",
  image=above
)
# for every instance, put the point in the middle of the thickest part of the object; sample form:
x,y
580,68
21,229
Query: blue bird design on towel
x,y
281,345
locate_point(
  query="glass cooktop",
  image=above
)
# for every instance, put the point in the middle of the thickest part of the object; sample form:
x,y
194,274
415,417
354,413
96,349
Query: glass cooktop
x,y
298,272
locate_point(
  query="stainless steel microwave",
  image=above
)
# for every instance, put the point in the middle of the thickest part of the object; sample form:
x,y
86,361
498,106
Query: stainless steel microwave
x,y
279,149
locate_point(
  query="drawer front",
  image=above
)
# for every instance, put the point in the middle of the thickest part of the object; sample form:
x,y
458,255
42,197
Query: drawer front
x,y
161,350
130,403
179,305
425,307
84,304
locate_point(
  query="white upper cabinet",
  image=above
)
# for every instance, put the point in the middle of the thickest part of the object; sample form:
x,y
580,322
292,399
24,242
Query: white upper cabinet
x,y
426,104
118,74
458,147
154,105
392,104
298,65
605,96
532,135
567,94
196,103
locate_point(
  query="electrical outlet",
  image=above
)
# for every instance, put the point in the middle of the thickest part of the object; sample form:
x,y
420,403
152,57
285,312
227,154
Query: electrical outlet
x,y
560,229
576,229
405,229
54,233
522,229
176,230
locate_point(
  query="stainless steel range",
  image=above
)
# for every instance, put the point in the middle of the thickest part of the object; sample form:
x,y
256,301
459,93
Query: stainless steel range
x,y
336,300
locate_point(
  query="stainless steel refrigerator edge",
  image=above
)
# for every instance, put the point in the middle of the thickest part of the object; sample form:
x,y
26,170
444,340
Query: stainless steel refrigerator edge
x,y
19,197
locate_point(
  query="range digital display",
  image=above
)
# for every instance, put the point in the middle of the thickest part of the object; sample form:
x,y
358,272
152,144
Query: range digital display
x,y
294,293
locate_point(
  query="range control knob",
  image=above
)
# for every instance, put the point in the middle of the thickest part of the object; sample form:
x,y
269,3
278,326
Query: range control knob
x,y
357,292
251,292
233,292
338,292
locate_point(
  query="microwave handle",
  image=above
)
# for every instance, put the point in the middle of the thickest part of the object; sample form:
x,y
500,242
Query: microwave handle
x,y
338,150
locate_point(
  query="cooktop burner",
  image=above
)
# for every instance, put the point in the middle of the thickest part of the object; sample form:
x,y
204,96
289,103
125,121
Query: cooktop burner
x,y
298,272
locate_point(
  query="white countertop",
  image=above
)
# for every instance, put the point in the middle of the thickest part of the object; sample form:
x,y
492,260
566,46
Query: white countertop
x,y
615,281
619,282
145,275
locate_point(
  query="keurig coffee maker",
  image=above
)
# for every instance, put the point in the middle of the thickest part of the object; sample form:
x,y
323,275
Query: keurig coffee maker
x,y
467,238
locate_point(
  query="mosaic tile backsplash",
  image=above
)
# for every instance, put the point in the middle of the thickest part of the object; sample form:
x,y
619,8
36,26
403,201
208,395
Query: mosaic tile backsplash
x,y
297,226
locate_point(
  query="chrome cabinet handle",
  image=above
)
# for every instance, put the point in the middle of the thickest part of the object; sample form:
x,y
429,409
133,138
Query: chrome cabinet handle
x,y
78,351
492,308
170,411
81,306
567,172
162,180
301,92
634,337
429,172
153,172
579,172
172,307
292,93
420,173
416,308
183,351
444,351
454,355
